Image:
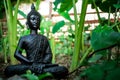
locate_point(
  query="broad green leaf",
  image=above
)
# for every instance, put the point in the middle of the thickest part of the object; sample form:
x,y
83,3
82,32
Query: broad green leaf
x,y
94,73
66,5
117,6
57,26
109,65
104,36
114,74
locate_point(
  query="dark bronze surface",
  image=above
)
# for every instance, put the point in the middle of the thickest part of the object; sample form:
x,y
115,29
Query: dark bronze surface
x,y
38,52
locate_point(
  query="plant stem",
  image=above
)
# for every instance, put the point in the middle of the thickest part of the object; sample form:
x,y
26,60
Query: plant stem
x,y
98,14
76,30
12,27
85,55
109,16
53,48
79,44
37,4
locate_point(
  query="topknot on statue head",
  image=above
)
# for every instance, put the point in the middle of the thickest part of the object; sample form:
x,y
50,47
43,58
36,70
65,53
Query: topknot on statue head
x,y
33,12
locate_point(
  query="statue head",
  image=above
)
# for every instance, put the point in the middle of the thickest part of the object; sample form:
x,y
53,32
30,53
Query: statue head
x,y
33,19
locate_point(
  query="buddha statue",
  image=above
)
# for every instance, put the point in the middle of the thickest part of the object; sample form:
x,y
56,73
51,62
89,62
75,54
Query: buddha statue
x,y
38,52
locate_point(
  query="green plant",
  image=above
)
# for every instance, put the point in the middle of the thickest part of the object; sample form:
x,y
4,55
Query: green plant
x,y
3,44
12,27
104,62
64,9
31,76
107,70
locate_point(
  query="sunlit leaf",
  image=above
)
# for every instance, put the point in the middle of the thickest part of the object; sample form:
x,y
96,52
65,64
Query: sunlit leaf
x,y
66,16
30,76
22,13
66,5
57,26
56,3
42,76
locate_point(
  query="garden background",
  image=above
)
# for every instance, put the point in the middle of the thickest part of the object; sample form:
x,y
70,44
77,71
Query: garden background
x,y
83,34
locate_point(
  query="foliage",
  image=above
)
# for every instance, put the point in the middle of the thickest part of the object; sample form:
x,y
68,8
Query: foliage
x,y
45,26
2,9
63,10
12,23
104,5
57,26
0,37
102,66
107,70
31,76
65,46
104,36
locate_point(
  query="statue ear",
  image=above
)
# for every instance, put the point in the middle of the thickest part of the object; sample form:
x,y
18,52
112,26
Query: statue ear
x,y
27,25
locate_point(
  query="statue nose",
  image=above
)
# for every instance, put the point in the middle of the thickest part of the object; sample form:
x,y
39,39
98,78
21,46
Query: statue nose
x,y
35,21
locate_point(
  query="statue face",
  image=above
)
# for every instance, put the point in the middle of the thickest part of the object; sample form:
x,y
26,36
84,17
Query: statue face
x,y
34,21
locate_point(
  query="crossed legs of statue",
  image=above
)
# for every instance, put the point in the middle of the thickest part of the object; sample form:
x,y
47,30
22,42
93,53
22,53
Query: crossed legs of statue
x,y
57,71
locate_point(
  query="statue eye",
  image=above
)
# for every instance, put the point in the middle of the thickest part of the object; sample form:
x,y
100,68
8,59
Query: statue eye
x,y
32,18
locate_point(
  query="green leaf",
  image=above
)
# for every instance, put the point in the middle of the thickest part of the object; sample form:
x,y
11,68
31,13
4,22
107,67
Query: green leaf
x,y
37,4
30,76
45,25
95,58
104,6
117,6
56,3
104,36
57,26
66,5
95,72
42,76
22,13
66,16
109,65
114,74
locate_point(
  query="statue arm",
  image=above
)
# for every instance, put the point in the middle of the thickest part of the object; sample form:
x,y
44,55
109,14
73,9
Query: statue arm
x,y
18,53
48,54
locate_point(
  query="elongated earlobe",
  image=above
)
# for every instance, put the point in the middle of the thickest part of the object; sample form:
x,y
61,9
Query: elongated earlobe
x,y
27,25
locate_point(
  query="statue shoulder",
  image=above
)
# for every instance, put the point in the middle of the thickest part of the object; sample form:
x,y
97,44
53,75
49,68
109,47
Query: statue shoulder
x,y
44,37
23,38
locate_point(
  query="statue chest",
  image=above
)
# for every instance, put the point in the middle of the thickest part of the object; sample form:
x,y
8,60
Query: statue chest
x,y
35,47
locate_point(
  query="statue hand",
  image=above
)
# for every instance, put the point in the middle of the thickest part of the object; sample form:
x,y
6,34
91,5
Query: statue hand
x,y
37,68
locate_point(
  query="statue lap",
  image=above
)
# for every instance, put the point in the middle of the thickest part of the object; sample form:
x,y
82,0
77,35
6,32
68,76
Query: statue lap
x,y
55,70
